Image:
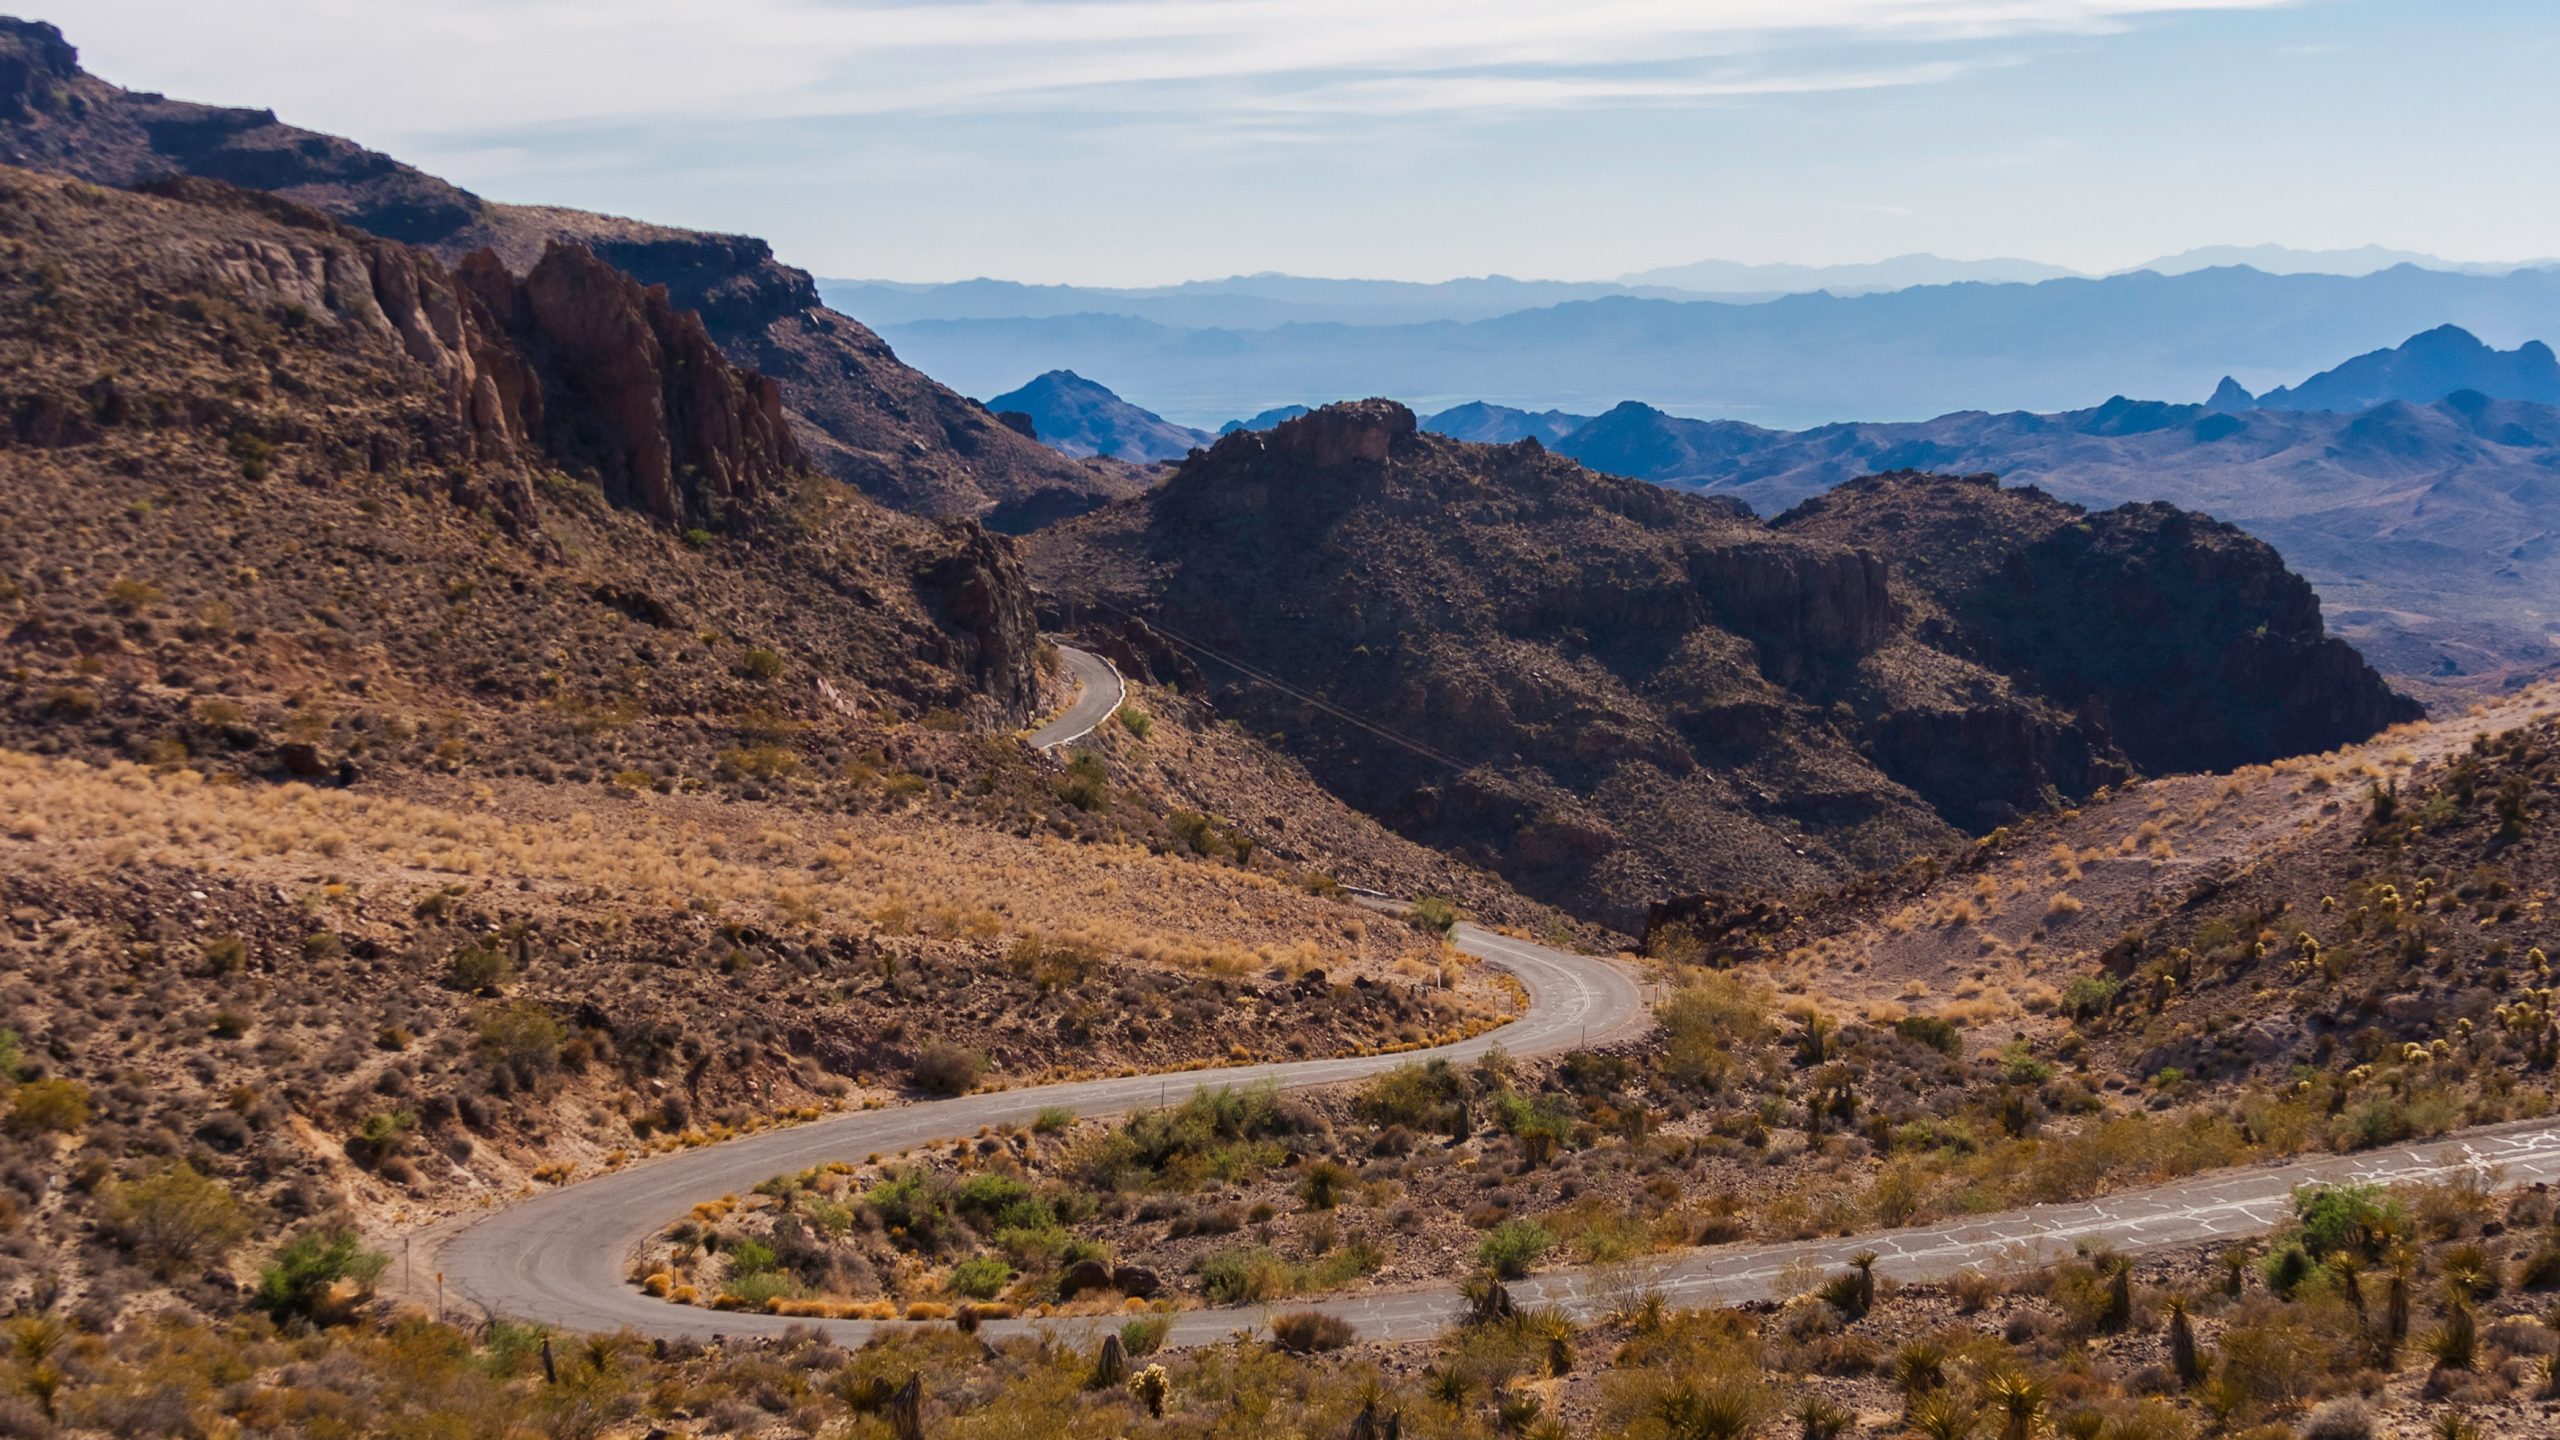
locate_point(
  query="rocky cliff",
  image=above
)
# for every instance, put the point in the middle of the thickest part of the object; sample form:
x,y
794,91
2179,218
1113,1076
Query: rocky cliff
x,y
859,414
283,379
2187,639
1610,692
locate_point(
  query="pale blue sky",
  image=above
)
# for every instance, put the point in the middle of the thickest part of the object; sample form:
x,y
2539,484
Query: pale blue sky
x,y
1144,141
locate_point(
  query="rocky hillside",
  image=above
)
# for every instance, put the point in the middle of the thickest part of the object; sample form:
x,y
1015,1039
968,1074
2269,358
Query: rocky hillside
x,y
254,451
2422,526
861,415
1607,692
2186,639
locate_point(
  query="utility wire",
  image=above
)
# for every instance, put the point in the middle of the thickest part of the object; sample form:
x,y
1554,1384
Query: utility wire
x,y
1285,688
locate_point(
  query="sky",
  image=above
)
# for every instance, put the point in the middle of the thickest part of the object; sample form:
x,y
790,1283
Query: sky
x,y
1133,142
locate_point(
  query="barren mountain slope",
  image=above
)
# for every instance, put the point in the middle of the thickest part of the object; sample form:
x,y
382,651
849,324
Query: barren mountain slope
x,y
1619,693
864,418
450,744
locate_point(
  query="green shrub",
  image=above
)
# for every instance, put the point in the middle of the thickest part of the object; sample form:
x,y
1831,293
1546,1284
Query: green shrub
x,y
1052,1119
1136,721
988,1194
1326,1184
913,1204
2355,1219
1427,1095
49,1107
2089,996
175,1219
295,1286
1434,914
477,969
1704,1024
980,1277
1245,1276
1514,1247
1086,785
1934,1031
758,663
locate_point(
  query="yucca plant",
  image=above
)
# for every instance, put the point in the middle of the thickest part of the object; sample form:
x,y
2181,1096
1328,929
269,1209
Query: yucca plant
x,y
2018,1399
1942,1415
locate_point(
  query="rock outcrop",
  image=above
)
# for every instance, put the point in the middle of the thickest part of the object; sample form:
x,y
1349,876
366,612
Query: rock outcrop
x,y
637,393
856,411
1609,692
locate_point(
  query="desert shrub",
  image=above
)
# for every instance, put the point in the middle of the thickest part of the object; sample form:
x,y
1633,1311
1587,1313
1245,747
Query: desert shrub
x,y
1542,1124
49,1107
1514,1247
2089,996
1217,1134
2345,1418
380,1136
1136,721
2356,1219
175,1219
989,1194
1308,1332
1326,1183
1433,914
758,663
981,1277
1145,1335
1704,1024
1245,1276
945,1068
1934,1031
915,1205
296,1285
1086,785
1430,1095
477,969
1052,1119
523,1037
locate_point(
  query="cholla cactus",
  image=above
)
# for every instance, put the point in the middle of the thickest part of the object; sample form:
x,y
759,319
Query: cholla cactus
x,y
2413,1053
2360,1075
1152,1386
2328,903
2540,962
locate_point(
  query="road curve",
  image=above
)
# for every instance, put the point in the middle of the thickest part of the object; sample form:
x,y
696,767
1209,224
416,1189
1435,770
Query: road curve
x,y
1099,691
562,1257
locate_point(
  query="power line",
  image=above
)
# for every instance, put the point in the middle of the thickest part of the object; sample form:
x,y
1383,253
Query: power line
x,y
1285,688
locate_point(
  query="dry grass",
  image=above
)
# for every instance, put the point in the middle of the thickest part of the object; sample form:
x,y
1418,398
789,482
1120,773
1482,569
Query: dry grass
x,y
670,854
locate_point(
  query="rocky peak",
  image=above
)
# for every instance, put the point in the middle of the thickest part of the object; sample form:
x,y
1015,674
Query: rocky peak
x,y
1353,430
35,63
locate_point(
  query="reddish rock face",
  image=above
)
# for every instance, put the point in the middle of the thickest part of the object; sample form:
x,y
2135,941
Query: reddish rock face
x,y
669,426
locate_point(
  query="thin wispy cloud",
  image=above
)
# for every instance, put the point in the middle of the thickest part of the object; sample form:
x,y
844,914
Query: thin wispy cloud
x,y
494,67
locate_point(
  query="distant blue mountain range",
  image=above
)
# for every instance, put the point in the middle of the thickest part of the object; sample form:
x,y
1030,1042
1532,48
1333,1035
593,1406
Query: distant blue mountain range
x,y
1791,362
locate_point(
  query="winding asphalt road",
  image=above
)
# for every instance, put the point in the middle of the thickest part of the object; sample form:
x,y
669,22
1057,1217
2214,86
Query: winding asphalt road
x,y
562,1257
1099,691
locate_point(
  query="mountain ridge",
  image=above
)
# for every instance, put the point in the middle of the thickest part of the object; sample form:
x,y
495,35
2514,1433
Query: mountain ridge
x,y
863,416
1626,692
